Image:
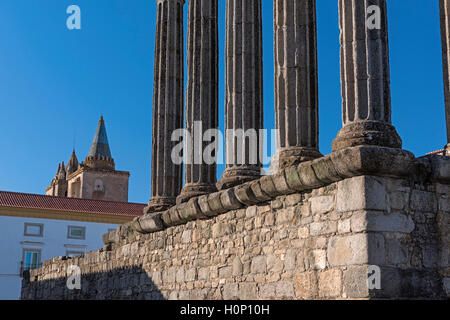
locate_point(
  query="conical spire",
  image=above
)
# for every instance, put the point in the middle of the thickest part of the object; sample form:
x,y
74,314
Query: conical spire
x,y
100,146
61,175
100,155
72,165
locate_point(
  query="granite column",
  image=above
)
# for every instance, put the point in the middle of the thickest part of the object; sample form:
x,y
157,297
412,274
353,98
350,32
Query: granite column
x,y
296,81
166,174
365,79
243,92
201,98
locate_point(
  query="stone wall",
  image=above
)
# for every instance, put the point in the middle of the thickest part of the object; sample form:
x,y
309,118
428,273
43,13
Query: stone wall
x,y
316,244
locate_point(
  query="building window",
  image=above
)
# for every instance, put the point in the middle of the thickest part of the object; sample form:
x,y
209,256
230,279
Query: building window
x,y
31,259
33,230
72,254
76,233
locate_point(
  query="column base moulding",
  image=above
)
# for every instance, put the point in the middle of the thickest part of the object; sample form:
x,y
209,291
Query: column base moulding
x,y
193,190
373,133
237,175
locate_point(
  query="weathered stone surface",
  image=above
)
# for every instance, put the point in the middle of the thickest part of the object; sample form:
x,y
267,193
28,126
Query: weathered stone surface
x,y
167,104
378,221
149,223
356,282
306,285
330,283
280,250
361,193
323,204
243,91
365,79
202,104
296,84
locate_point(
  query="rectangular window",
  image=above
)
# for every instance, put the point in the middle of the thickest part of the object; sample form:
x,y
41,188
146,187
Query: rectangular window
x,y
76,232
33,230
31,259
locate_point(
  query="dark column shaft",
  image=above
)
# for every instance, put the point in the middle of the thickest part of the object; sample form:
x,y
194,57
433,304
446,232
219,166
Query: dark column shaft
x,y
365,77
167,104
296,80
243,92
201,95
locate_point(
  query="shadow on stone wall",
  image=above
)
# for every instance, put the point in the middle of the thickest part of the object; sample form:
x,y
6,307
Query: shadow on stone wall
x,y
132,283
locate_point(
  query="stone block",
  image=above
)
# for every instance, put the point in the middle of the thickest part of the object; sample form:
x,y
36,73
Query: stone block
x,y
186,236
361,193
245,195
398,200
349,250
320,259
423,201
322,228
247,291
397,253
330,283
229,200
284,289
238,268
344,226
384,222
325,170
260,195
231,291
151,223
280,183
293,180
215,204
203,204
307,176
356,282
305,285
268,186
322,205
220,229
267,291
259,265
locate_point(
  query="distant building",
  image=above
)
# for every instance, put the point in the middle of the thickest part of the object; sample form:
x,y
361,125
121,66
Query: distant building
x,y
34,228
95,178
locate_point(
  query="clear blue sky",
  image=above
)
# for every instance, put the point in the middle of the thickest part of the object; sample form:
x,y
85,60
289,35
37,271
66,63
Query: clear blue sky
x,y
55,83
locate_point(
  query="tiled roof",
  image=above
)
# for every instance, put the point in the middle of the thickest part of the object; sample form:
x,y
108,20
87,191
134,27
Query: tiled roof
x,y
36,201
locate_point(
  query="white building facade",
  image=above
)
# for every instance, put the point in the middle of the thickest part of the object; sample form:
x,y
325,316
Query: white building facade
x,y
35,228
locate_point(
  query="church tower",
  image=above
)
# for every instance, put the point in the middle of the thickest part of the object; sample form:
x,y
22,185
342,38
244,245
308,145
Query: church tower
x,y
95,178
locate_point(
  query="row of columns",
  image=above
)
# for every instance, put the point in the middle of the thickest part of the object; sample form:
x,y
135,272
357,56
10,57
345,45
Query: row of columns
x,y
365,82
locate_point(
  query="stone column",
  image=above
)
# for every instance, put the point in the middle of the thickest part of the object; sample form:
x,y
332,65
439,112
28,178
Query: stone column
x,y
296,81
243,92
365,79
167,104
201,96
445,32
